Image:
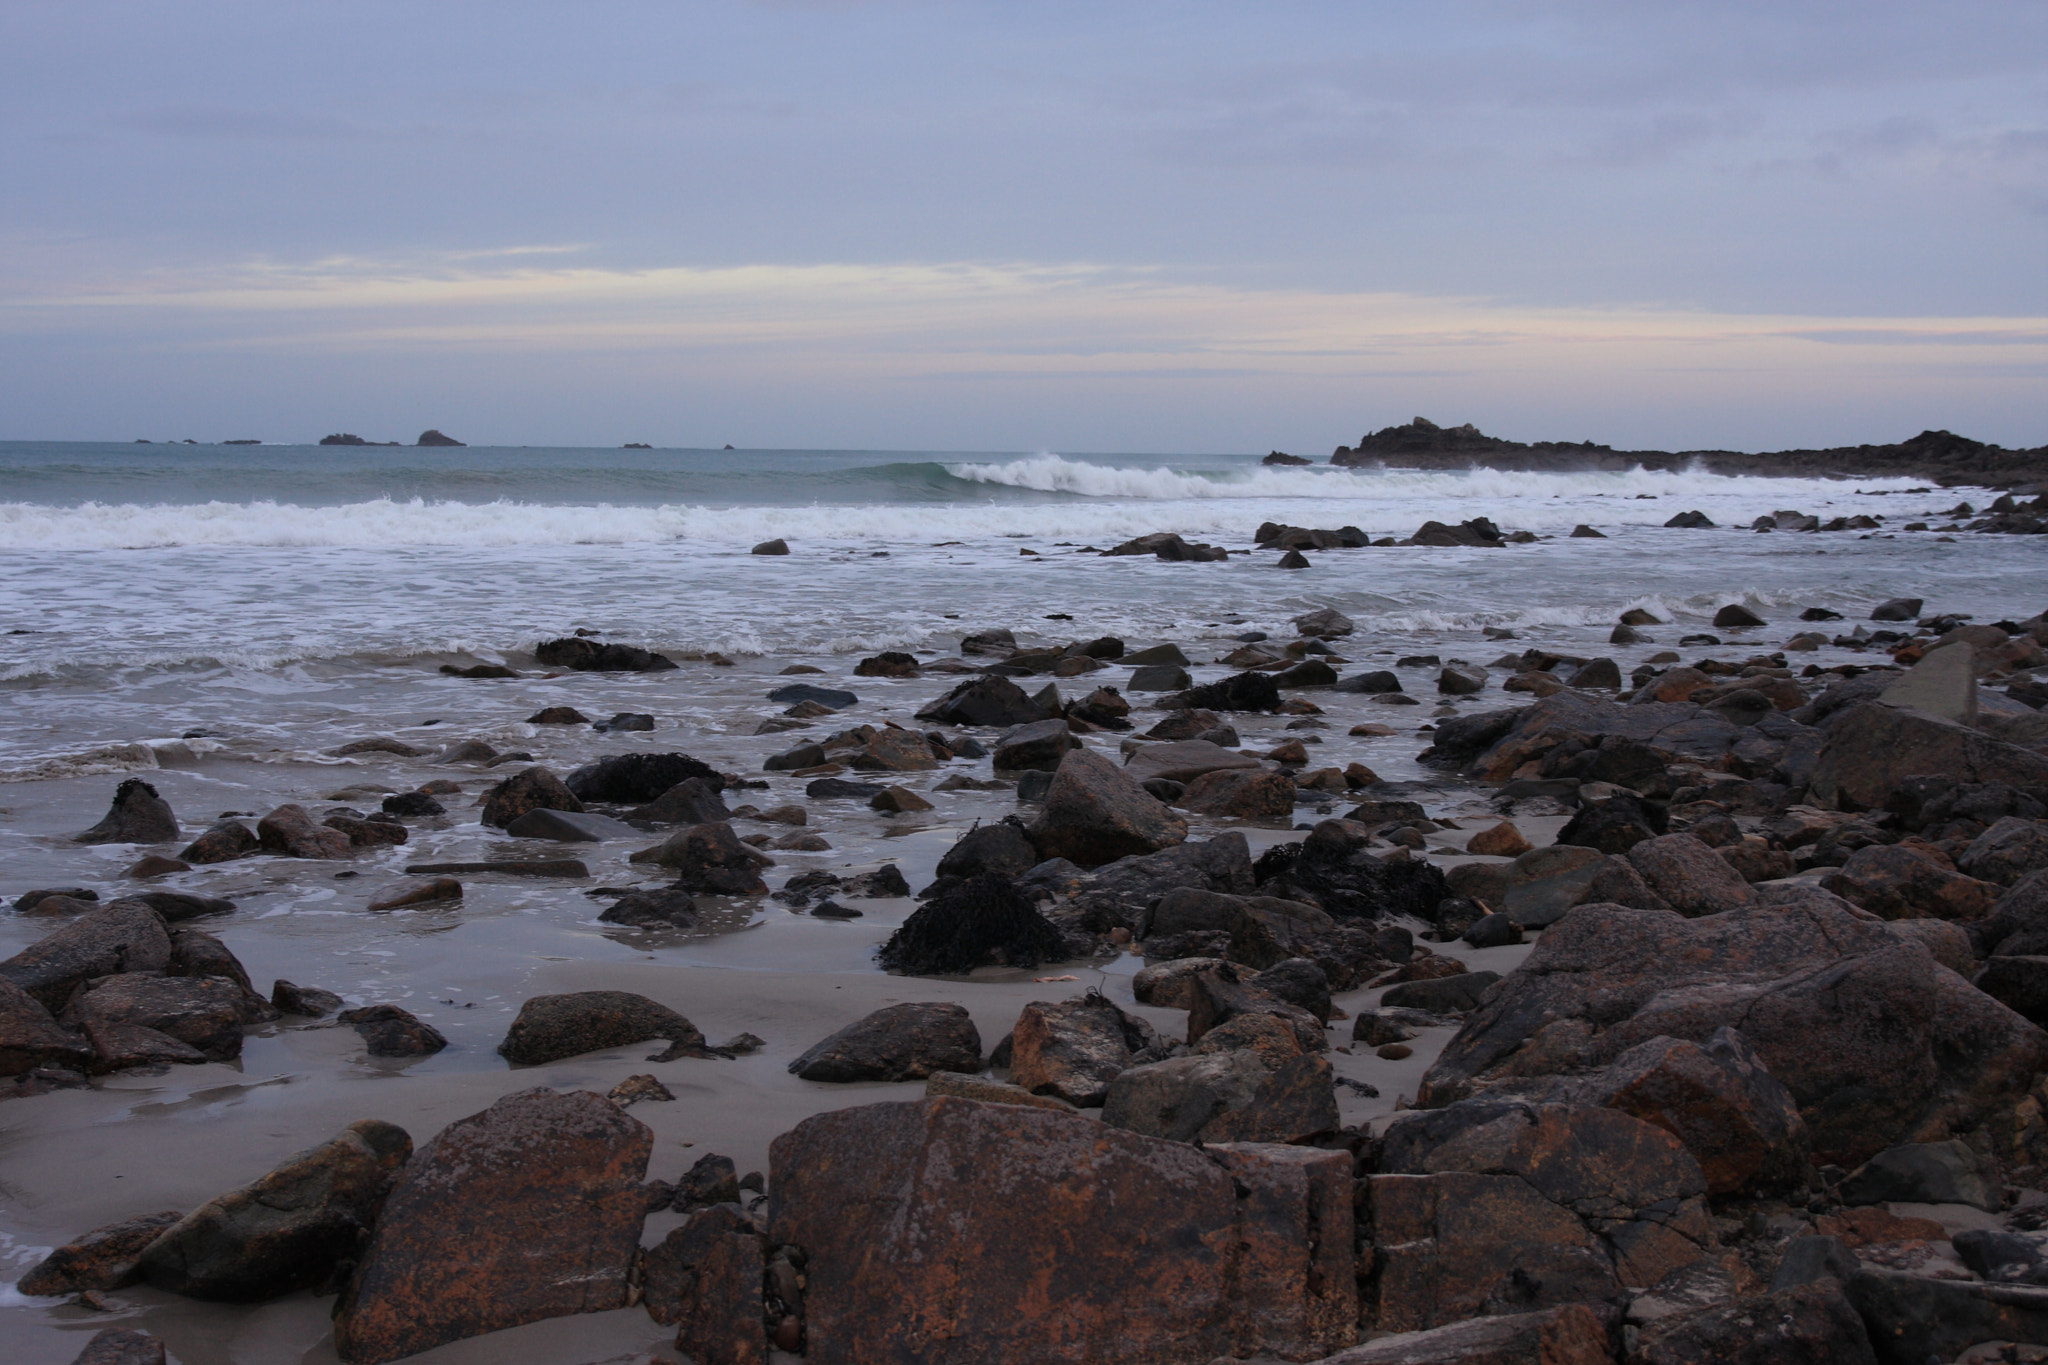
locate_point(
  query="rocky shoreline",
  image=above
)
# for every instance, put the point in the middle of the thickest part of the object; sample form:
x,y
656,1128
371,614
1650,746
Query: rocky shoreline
x,y
1940,457
1692,1013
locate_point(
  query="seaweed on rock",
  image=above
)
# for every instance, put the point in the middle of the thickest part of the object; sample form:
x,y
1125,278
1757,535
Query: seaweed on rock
x,y
981,920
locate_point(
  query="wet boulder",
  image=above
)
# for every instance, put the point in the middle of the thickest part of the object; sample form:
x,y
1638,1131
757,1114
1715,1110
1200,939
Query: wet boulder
x,y
1238,692
552,1027
1689,876
667,908
583,655
291,832
531,1209
529,789
1001,848
125,936
1185,760
896,1043
1218,998
1614,825
1238,1095
972,922
388,1031
1830,1001
288,1230
31,1038
635,779
105,1258
1901,882
1872,749
989,700
1040,745
204,1013
1333,869
710,860
138,816
1096,813
692,801
1258,794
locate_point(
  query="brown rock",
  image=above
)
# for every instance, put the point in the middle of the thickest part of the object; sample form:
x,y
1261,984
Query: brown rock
x,y
1741,1125
989,1091
102,1259
291,832
204,1013
380,833
552,1027
875,1197
692,801
1872,748
1690,877
705,1277
224,842
155,865
897,751
423,893
1898,882
1096,813
125,936
1810,1322
896,1043
898,800
30,1038
1877,1226
531,1209
1755,861
138,816
1075,1048
1570,1335
388,1031
121,1346
710,859
1219,998
1239,1095
289,1229
1242,794
533,788
1501,841
1171,984
1828,1000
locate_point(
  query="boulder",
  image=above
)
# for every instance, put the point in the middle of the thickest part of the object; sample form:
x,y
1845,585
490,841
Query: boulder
x,y
970,923
1897,881
388,1031
710,860
125,936
121,1346
1000,848
1461,679
2007,852
1154,655
1096,813
1735,616
1239,692
570,827
1238,794
308,1002
1943,683
1614,825
1185,760
1689,876
1810,1322
1922,1173
987,700
1569,1335
288,1230
104,1258
1493,1204
1624,739
1913,1319
1455,994
667,908
1075,1048
1219,998
1898,609
531,1209
138,816
1171,984
582,655
830,698
635,779
1325,622
1159,678
692,801
291,832
896,751
705,1279
1830,1001
437,890
1498,841
376,831
558,715
1194,910
527,790
1040,745
1872,749
1230,1096
896,1043
552,1027
204,1013
1546,882
31,1038
1135,1249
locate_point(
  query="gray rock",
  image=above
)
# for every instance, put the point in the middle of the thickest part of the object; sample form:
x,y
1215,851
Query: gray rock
x,y
1922,1173
576,827
125,936
138,816
835,698
1159,678
897,1043
1185,760
1943,683
552,1027
1440,995
1459,678
1234,1096
1040,745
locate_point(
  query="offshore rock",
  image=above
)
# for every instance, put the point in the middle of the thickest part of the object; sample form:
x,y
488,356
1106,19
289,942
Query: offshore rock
x,y
138,816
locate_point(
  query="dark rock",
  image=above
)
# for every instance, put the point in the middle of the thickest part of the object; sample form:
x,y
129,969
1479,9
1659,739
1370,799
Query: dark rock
x,y
308,1002
121,1346
1041,745
529,790
839,789
531,1209
771,547
1872,749
1569,1335
1300,983
1333,870
1159,678
972,922
411,804
177,906
104,1258
2007,852
1493,931
710,860
1897,609
574,827
1735,616
511,867
1829,1001
589,656
1689,876
1922,1173
1096,813
693,801
1075,1048
1614,825
31,1038
377,832
1813,1322
705,1278
1001,848
1459,678
831,698
291,1229
987,700
625,721
1230,1096
1250,1274
27,902
668,908
388,1031
1691,521
558,715
1912,1320
431,437
634,779
1900,882
1262,794
711,1179
1238,692
896,1043
125,936
138,816
1440,995
552,1027
291,832
204,1013
1219,998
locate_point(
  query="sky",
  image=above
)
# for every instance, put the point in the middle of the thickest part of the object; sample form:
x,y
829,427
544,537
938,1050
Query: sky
x,y
1046,226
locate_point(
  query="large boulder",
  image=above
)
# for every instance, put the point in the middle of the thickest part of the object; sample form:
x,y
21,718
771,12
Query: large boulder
x,y
1809,1322
1073,1049
551,1027
1490,1206
286,1231
204,1013
531,1209
634,779
31,1038
1262,794
1238,692
2008,851
584,655
896,1043
1872,1037
692,801
1334,870
138,816
705,1279
1040,745
710,859
529,789
972,922
1689,876
987,700
1671,732
1001,848
1900,882
124,936
105,1258
1070,1241
1871,749
1235,1095
1185,760
1096,813
290,831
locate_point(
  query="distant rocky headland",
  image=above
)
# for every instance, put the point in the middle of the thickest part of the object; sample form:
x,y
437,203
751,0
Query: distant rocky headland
x,y
1940,457
429,437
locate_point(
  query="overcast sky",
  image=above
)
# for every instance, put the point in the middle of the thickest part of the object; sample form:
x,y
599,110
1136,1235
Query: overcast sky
x,y
1099,227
